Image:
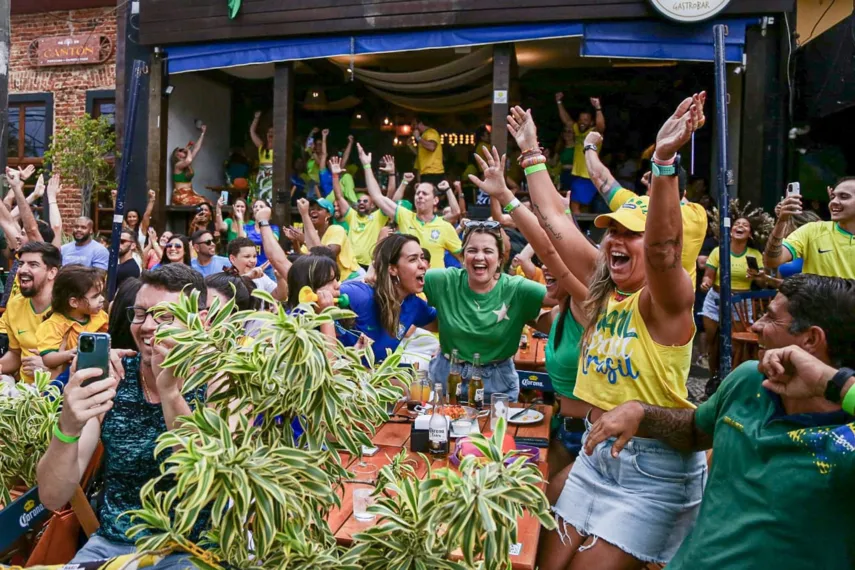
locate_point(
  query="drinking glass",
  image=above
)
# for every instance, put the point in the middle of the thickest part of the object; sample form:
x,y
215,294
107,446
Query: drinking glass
x,y
499,406
364,480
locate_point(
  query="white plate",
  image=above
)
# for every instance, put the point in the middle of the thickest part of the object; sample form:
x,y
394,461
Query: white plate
x,y
530,417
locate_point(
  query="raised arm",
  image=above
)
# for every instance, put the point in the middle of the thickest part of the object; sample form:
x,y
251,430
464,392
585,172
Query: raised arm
x,y
496,213
149,208
53,187
562,112
322,159
335,169
253,130
388,168
406,180
601,176
494,185
16,183
386,205
219,223
275,254
452,202
309,232
456,203
775,254
37,193
345,156
575,250
599,119
668,284
198,146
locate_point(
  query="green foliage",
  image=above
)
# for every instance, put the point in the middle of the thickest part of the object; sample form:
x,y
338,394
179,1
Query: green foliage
x,y
269,493
27,416
79,151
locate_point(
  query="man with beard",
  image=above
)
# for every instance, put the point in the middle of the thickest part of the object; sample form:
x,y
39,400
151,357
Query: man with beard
x,y
127,416
365,222
318,230
38,264
85,251
207,261
128,266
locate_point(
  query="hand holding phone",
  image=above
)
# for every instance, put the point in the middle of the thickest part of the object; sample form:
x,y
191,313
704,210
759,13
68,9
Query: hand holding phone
x,y
752,263
794,189
93,351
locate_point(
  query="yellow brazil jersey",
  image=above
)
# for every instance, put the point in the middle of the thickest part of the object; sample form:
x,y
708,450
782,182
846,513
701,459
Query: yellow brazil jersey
x,y
827,249
22,323
538,274
580,168
430,162
364,231
694,226
59,329
335,235
621,362
739,280
437,236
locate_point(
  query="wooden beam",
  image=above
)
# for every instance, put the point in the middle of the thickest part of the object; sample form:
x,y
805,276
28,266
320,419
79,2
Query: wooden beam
x,y
283,137
5,48
156,159
503,54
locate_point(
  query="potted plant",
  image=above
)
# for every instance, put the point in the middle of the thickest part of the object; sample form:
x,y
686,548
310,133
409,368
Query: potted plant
x,y
262,459
83,151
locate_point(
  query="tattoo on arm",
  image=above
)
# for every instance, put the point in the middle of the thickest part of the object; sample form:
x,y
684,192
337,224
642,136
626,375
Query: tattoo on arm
x,y
774,247
676,427
547,225
664,255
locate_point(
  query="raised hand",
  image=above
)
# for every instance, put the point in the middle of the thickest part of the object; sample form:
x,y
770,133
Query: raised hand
x,y
522,128
350,138
678,129
335,165
795,373
325,133
409,177
458,187
595,103
151,195
789,207
494,173
645,179
294,235
27,171
40,186
303,206
559,97
388,164
204,128
256,115
594,138
53,187
364,157
443,186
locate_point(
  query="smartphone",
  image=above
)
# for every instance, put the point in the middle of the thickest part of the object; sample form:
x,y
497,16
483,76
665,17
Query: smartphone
x,y
93,351
224,196
752,263
794,189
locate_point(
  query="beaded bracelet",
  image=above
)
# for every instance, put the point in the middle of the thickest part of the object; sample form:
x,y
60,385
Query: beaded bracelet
x,y
529,153
539,159
536,168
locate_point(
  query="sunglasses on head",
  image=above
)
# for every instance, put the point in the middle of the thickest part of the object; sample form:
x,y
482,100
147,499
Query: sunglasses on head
x,y
482,225
206,242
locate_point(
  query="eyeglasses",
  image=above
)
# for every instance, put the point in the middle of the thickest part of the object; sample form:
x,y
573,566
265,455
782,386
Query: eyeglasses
x,y
206,242
484,225
137,315
174,246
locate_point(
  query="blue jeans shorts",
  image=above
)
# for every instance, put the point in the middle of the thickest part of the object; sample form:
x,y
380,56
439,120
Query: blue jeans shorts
x,y
99,548
499,377
582,190
645,502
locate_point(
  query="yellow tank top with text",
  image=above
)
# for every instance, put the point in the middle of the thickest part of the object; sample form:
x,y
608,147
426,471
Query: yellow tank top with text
x,y
620,362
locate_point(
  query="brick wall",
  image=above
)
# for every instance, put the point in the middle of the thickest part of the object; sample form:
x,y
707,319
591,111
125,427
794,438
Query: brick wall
x,y
68,84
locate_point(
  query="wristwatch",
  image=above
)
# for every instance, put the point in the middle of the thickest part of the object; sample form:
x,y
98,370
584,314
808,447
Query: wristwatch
x,y
836,384
592,147
263,223
666,170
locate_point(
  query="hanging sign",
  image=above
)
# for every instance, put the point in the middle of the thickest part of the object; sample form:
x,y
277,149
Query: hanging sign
x,y
71,50
689,11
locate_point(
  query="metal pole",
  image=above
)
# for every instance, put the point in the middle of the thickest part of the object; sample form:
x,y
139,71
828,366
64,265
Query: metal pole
x,y
724,180
127,149
5,17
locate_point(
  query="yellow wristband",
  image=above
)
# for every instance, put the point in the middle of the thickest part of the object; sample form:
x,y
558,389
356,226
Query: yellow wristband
x,y
534,168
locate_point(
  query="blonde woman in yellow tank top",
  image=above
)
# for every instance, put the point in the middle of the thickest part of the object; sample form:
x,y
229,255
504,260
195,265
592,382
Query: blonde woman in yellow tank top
x,y
618,512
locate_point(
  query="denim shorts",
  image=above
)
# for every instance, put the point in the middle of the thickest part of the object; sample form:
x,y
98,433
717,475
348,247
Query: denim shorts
x,y
645,502
499,377
98,548
712,303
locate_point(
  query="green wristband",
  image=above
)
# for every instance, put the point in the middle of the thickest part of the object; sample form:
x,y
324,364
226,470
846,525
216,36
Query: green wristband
x,y
366,166
568,211
62,437
512,205
848,403
535,168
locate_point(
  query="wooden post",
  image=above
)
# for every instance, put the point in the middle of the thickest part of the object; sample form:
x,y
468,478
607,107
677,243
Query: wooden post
x,y
157,162
283,136
502,57
5,17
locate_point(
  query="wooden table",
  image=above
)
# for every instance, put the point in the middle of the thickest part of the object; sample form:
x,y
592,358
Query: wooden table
x,y
392,437
533,356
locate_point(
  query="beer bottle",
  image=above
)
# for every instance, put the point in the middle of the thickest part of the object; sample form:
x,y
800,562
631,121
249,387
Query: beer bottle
x,y
455,381
476,385
438,426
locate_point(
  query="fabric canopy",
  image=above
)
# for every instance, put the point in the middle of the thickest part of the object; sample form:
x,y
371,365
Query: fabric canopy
x,y
661,40
639,39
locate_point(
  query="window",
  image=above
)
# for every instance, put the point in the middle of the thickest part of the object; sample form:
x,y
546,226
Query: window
x,y
30,128
102,104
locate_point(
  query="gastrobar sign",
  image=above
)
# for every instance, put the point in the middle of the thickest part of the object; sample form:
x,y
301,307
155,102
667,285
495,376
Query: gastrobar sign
x,y
689,11
69,50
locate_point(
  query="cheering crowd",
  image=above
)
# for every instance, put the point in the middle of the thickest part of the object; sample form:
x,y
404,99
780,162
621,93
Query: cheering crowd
x,y
629,480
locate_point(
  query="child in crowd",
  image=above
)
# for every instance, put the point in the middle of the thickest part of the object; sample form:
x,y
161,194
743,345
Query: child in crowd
x,y
78,306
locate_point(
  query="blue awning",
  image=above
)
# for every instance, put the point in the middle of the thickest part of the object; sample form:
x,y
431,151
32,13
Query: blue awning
x,y
639,39
197,57
662,40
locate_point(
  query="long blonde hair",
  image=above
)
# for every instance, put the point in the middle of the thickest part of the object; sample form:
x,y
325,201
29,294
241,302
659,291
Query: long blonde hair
x,y
600,289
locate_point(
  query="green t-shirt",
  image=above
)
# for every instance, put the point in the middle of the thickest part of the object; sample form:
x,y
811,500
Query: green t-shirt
x,y
780,489
489,323
230,232
348,190
562,362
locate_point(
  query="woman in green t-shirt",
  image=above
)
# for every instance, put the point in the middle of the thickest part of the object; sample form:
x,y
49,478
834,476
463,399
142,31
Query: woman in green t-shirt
x,y
482,311
233,227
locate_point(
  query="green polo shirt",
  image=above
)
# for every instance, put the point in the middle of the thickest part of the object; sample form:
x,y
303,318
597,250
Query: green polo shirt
x,y
781,490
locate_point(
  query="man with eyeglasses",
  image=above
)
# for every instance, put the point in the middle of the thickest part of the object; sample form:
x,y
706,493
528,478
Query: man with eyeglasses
x,y
127,417
207,261
128,266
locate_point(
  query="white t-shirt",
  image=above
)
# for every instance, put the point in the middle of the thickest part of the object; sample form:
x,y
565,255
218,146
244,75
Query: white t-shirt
x,y
265,283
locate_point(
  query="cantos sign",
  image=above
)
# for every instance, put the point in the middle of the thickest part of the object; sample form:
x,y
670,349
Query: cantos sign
x,y
689,10
71,50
